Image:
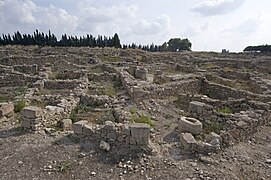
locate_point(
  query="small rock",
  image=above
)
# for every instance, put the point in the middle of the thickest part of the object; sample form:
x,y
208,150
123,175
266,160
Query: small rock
x,y
268,161
93,173
104,146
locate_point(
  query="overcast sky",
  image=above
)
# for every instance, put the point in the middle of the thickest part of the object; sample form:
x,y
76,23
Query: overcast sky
x,y
209,24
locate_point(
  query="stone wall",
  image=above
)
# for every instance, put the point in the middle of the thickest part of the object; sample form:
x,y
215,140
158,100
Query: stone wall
x,y
235,126
61,84
35,118
105,76
70,74
17,79
221,92
139,89
115,133
28,69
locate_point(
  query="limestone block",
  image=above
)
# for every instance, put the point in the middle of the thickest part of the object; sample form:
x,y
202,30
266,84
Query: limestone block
x,y
140,130
196,107
203,147
6,108
109,125
188,141
87,130
78,127
111,135
66,124
132,141
190,125
141,73
31,112
26,124
132,70
125,130
210,137
142,141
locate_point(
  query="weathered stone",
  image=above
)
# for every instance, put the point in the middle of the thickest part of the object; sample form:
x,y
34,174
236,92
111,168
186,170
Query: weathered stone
x,y
203,147
212,136
140,130
104,146
6,108
141,73
87,130
132,141
142,141
109,125
31,112
111,135
190,125
196,107
66,124
78,127
26,124
188,141
125,130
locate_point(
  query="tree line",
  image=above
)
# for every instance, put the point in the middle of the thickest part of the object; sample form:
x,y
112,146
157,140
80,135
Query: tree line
x,y
261,48
42,39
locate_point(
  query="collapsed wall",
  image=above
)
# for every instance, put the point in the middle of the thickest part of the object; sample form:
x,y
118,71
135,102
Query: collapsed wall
x,y
232,127
217,91
130,135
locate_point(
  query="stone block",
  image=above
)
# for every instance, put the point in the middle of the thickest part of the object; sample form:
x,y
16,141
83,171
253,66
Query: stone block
x,y
109,125
196,107
87,130
26,124
78,127
210,137
6,108
111,135
132,141
141,73
188,141
66,124
132,70
31,112
190,125
125,130
142,141
203,147
140,130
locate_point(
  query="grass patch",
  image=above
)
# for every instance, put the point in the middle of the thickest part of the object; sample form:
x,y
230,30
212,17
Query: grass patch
x,y
225,110
63,166
141,118
228,69
214,127
78,110
107,116
110,58
18,106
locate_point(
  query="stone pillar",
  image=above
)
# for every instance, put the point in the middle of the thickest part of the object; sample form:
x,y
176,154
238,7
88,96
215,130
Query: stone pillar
x,y
31,118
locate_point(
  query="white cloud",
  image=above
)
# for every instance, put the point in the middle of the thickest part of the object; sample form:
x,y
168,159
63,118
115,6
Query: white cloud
x,y
26,16
159,25
217,7
106,20
196,29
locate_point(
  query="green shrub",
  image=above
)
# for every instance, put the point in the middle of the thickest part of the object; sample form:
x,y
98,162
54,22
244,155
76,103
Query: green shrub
x,y
18,106
106,116
141,118
226,110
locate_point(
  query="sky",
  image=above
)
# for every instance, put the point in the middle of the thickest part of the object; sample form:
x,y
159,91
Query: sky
x,y
211,25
